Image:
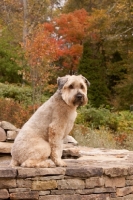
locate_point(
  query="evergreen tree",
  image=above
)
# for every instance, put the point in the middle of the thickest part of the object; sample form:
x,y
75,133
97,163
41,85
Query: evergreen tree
x,y
92,66
9,69
10,64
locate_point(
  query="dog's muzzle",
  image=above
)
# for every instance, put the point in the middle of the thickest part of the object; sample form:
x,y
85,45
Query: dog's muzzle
x,y
79,99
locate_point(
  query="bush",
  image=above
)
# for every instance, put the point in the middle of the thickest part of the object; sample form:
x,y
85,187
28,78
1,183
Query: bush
x,y
96,118
93,117
14,112
21,94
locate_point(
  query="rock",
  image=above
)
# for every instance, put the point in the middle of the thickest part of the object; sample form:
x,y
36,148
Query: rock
x,y
5,160
129,182
70,139
76,197
34,195
11,135
7,183
104,190
71,184
60,192
84,171
4,194
94,182
114,182
60,197
15,190
130,170
43,193
44,185
23,183
8,126
116,171
32,172
47,178
71,152
5,147
7,172
2,135
124,191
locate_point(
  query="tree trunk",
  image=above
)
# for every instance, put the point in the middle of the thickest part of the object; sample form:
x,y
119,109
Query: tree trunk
x,y
25,27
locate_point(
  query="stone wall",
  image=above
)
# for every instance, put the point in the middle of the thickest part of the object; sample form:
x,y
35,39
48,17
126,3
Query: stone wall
x,y
71,183
8,133
91,174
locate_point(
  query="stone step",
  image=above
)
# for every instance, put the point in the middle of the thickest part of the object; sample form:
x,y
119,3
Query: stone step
x,y
5,147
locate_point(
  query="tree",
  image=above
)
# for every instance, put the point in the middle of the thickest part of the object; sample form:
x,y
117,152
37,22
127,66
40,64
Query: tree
x,y
92,66
10,59
9,69
72,5
60,41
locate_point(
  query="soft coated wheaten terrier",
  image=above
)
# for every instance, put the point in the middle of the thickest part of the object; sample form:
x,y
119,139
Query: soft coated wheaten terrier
x,y
42,135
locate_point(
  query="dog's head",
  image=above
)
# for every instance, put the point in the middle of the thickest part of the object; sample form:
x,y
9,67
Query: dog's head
x,y
73,89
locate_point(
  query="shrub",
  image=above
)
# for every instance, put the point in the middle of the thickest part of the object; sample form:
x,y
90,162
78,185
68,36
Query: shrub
x,y
21,94
95,118
14,112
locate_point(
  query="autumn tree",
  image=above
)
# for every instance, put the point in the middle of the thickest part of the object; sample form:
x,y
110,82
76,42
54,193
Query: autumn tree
x,y
60,41
72,5
19,18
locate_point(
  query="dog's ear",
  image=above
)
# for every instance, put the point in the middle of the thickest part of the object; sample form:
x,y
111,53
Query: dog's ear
x,y
86,81
61,81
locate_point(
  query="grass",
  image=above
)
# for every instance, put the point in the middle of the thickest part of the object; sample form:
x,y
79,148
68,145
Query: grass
x,y
102,138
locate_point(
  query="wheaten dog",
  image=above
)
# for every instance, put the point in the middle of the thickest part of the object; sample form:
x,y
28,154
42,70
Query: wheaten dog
x,y
42,135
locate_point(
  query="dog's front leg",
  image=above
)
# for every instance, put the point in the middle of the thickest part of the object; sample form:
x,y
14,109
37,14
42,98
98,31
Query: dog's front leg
x,y
56,143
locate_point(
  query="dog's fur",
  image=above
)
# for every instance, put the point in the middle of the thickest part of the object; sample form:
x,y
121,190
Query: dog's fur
x,y
42,135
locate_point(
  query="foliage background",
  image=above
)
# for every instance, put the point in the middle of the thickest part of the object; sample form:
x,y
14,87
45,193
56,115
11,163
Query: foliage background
x,y
41,40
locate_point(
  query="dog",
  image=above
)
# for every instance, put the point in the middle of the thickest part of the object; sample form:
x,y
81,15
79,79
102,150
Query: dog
x,y
42,135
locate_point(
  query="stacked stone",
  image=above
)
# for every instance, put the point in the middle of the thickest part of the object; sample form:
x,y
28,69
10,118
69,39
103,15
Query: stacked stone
x,y
95,174
8,133
72,183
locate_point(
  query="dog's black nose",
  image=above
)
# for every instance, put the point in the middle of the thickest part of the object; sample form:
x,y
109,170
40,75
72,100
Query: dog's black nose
x,y
79,96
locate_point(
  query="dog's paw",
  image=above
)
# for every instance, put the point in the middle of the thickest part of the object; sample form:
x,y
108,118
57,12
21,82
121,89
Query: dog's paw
x,y
43,164
61,163
34,163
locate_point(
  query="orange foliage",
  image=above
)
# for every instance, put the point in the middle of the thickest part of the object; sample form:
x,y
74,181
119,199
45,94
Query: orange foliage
x,y
121,139
73,26
61,38
14,112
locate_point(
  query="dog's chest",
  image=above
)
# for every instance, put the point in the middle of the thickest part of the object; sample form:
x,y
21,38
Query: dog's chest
x,y
70,123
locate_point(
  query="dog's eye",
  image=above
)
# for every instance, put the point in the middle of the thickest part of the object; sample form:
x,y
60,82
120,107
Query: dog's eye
x,y
82,87
71,86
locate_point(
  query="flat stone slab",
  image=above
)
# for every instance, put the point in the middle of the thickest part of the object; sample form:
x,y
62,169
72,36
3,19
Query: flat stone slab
x,y
8,172
5,147
33,172
82,162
